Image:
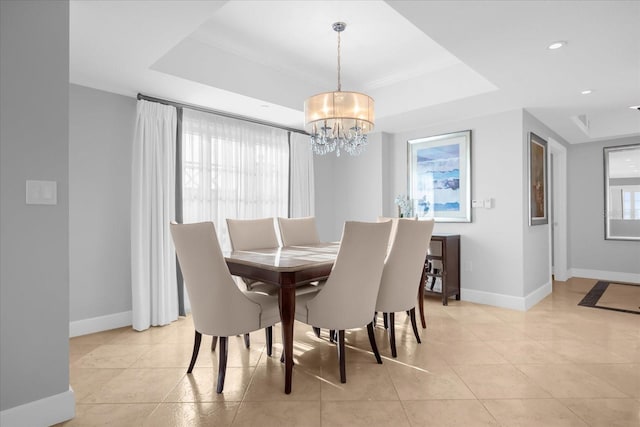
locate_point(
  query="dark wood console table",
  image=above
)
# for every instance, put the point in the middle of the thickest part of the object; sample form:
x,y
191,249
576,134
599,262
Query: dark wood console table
x,y
445,247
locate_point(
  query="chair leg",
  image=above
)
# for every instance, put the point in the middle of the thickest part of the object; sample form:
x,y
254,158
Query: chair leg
x,y
316,331
392,334
222,363
214,343
247,341
372,340
412,315
341,351
332,335
196,348
375,318
385,319
269,334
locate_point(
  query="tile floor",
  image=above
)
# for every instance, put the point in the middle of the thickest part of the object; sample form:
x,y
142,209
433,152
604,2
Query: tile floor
x,y
556,365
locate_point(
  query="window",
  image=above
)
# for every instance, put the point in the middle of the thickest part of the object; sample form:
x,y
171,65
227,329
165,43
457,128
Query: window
x,y
232,169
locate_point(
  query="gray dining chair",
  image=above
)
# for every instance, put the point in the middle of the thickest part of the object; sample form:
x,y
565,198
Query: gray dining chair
x,y
403,270
348,297
219,308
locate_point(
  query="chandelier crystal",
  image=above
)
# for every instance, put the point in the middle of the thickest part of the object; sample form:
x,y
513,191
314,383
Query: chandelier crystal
x,y
339,120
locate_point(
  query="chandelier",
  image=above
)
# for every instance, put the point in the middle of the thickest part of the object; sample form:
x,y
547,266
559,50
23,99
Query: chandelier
x,y
338,120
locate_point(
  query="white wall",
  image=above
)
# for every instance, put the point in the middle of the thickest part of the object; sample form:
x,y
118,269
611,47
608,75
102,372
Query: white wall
x,y
34,249
491,245
537,238
100,137
590,255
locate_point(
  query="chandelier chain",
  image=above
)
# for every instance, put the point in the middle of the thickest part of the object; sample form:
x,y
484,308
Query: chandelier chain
x,y
339,81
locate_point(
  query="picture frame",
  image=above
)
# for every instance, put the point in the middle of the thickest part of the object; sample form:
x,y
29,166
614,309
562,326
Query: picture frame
x,y
538,187
439,169
621,192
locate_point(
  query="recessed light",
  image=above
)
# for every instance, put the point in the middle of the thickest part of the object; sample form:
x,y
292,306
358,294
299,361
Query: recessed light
x,y
557,45
586,92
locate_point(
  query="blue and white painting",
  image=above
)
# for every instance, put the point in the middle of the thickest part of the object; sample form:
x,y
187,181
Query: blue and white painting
x,y
438,179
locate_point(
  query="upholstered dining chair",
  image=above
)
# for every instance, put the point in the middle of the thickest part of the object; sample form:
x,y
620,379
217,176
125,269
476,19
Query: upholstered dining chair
x,y
219,307
248,234
348,297
403,269
298,231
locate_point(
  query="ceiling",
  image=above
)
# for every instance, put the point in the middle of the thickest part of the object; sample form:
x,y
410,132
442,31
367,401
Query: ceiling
x,y
424,62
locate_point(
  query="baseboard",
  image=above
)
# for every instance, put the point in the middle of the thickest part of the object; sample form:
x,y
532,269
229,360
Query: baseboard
x,y
612,276
490,298
41,413
99,324
538,295
507,301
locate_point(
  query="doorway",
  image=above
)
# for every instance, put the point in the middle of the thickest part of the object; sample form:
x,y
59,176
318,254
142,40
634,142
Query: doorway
x,y
558,196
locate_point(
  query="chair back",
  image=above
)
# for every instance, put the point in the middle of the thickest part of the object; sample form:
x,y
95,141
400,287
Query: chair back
x,y
298,231
348,297
218,307
248,234
394,226
403,266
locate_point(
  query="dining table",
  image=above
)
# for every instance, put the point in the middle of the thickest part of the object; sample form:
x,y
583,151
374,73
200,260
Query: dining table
x,y
288,267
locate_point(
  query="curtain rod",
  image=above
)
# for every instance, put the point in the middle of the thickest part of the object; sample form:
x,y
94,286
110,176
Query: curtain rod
x,y
218,113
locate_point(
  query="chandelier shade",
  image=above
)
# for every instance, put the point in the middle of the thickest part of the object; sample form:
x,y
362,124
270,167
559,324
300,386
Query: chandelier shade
x,y
339,120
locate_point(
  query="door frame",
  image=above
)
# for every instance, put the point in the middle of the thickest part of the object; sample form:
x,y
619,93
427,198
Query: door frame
x,y
559,225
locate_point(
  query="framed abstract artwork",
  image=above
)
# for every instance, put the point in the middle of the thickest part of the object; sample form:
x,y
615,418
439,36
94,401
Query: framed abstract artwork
x,y
538,206
440,176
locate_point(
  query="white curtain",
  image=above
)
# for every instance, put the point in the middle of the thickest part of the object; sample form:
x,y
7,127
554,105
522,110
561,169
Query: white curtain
x,y
153,262
302,194
232,169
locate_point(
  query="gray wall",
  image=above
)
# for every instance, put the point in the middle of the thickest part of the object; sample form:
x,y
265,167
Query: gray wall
x,y
492,244
588,250
100,137
349,187
34,255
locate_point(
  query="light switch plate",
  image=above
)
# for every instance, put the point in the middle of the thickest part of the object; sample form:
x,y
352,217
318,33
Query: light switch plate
x,y
42,192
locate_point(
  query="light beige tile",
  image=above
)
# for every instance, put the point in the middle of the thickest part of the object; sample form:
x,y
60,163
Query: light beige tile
x,y
85,381
413,383
127,414
588,360
200,414
532,413
200,386
499,382
268,384
448,413
278,414
468,353
583,352
364,382
568,380
624,377
606,412
137,385
363,414
526,351
112,356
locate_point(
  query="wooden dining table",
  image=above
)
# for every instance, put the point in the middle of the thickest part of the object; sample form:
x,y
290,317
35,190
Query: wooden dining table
x,y
288,267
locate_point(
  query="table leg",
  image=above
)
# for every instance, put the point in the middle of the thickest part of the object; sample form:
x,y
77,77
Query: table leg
x,y
423,283
287,302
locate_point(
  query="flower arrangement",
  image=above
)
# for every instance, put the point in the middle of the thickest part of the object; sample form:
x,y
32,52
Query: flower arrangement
x,y
404,205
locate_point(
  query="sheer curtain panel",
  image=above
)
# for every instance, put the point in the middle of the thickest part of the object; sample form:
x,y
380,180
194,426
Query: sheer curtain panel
x,y
153,262
232,169
302,194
